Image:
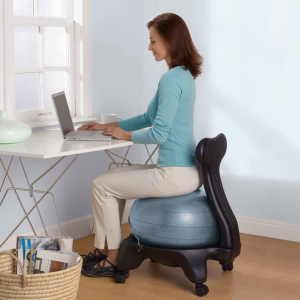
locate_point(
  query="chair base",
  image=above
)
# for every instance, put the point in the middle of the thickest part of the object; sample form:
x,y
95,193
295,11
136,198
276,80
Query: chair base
x,y
192,261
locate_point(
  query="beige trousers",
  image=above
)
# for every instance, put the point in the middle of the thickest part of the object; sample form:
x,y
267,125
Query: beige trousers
x,y
111,190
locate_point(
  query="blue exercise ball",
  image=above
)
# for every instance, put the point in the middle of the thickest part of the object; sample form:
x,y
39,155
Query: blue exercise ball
x,y
185,221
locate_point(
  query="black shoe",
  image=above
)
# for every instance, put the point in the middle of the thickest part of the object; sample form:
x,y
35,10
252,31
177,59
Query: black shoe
x,y
91,259
99,271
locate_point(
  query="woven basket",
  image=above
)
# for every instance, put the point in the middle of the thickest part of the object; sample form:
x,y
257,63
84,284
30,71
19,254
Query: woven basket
x,y
60,285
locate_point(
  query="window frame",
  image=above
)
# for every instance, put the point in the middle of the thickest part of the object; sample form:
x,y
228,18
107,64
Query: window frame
x,y
78,21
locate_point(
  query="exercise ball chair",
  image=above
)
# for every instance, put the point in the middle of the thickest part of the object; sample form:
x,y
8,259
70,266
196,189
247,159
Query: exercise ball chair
x,y
187,230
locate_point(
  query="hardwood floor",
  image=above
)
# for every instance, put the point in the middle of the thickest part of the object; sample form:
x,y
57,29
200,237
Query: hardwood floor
x,y
266,269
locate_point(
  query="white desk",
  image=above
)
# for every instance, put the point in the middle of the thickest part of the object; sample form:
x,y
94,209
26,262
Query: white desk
x,y
48,144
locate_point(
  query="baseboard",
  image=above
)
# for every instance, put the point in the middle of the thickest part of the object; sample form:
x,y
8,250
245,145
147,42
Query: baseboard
x,y
81,227
269,228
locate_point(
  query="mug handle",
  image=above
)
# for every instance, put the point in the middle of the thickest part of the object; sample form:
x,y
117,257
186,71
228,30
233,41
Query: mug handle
x,y
119,119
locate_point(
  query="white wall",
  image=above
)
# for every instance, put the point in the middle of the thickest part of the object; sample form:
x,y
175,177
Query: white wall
x,y
249,90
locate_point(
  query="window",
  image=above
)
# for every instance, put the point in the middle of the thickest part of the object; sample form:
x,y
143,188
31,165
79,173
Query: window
x,y
45,50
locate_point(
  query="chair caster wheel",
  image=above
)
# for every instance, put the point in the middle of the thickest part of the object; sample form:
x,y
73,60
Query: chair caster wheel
x,y
152,259
201,289
227,266
120,277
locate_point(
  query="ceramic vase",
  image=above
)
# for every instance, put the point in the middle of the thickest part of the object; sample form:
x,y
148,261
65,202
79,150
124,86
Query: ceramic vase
x,y
12,131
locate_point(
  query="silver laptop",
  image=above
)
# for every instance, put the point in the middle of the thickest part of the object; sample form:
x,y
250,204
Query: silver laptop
x,y
66,124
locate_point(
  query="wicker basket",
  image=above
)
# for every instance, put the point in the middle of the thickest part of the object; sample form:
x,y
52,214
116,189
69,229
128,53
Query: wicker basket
x,y
60,285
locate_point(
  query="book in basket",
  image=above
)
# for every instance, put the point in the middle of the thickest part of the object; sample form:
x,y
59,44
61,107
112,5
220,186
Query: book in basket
x,y
49,261
40,243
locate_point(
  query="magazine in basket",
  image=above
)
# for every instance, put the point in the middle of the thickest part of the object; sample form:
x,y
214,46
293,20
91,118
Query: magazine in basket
x,y
44,254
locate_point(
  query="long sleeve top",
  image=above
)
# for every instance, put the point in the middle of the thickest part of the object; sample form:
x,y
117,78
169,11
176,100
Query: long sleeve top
x,y
170,116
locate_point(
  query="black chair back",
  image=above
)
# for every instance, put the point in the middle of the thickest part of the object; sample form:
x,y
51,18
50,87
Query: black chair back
x,y
209,154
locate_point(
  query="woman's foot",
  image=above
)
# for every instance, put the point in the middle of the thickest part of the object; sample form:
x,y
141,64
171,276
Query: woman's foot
x,y
106,268
94,258
107,264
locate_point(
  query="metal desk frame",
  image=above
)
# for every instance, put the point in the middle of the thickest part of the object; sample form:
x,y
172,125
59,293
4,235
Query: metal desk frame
x,y
31,190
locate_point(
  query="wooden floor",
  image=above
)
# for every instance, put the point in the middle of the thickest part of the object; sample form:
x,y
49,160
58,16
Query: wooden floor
x,y
266,269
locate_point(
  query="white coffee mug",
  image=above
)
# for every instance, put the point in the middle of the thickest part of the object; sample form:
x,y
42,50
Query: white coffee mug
x,y
109,118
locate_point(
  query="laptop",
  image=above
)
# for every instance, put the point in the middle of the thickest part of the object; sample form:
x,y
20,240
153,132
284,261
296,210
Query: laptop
x,y
66,125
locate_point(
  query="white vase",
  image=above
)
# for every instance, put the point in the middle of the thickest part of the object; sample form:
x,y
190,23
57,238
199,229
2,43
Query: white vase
x,y
12,131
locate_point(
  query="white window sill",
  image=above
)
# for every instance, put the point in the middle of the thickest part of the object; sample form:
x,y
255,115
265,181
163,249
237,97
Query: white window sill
x,y
50,122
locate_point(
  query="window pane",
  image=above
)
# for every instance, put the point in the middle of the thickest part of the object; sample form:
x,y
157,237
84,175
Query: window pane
x,y
23,7
55,82
27,90
55,46
50,8
26,46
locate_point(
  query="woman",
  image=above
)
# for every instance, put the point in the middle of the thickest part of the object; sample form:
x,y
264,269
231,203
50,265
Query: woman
x,y
170,112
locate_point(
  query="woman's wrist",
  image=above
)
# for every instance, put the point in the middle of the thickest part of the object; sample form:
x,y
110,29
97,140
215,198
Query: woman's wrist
x,y
106,125
113,124
128,135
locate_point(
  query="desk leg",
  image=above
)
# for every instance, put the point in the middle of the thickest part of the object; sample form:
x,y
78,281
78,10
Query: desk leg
x,y
26,216
31,193
150,156
6,174
31,190
124,158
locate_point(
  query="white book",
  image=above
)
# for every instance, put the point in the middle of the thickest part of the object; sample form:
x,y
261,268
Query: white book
x,y
51,261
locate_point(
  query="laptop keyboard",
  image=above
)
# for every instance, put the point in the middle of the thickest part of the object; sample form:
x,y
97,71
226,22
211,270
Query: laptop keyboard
x,y
85,133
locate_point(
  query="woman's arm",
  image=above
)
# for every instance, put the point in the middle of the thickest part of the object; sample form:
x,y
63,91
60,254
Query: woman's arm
x,y
135,123
169,93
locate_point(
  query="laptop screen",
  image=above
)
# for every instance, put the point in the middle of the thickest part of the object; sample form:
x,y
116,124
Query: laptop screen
x,y
63,112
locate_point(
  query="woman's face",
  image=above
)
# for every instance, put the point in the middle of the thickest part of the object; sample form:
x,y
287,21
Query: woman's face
x,y
158,46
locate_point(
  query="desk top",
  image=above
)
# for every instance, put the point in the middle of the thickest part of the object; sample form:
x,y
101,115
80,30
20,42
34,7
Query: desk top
x,y
49,143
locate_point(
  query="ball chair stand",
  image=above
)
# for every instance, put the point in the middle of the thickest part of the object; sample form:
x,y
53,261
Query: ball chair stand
x,y
209,153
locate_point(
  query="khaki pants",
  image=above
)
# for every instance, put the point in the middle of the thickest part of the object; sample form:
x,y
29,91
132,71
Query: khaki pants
x,y
110,191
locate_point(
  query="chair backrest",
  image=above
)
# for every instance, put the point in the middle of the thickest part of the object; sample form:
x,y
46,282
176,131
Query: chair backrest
x,y
209,153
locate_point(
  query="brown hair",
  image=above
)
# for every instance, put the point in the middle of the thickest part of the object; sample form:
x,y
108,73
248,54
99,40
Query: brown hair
x,y
176,34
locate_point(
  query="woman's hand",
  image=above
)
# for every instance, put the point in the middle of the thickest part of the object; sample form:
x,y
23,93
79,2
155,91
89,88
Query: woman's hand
x,y
92,126
118,133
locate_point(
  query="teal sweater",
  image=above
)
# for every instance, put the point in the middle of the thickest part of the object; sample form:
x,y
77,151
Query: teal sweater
x,y
170,112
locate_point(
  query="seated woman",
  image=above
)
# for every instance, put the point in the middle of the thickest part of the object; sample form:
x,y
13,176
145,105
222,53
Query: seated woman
x,y
170,113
